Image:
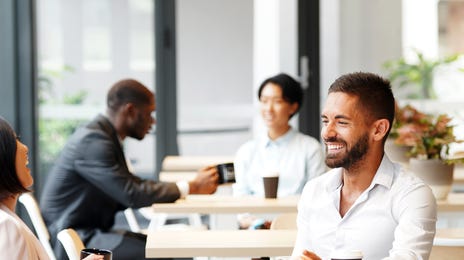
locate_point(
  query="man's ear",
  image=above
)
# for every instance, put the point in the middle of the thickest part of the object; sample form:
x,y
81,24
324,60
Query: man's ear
x,y
380,129
293,108
128,109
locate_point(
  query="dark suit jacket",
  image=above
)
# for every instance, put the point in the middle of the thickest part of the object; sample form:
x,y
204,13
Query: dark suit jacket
x,y
90,182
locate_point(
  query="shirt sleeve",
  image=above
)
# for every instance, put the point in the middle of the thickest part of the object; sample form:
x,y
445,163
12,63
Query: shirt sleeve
x,y
184,188
315,161
302,227
241,166
12,243
416,214
99,163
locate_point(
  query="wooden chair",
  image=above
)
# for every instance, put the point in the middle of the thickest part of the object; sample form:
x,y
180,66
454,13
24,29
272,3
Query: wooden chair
x,y
71,242
32,208
284,221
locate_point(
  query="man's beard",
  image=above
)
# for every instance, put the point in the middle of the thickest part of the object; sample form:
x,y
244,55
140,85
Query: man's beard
x,y
353,156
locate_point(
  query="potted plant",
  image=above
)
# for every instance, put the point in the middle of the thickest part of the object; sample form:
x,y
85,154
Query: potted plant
x,y
429,138
397,150
416,77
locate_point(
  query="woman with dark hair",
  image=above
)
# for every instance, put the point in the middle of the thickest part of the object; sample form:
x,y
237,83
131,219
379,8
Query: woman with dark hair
x,y
296,157
16,240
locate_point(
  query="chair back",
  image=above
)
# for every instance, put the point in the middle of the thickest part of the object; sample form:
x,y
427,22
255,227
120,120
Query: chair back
x,y
132,220
32,208
71,242
284,221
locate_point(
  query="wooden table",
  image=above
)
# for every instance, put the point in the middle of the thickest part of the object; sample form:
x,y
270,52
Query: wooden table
x,y
207,204
175,176
192,163
449,237
454,203
458,175
220,243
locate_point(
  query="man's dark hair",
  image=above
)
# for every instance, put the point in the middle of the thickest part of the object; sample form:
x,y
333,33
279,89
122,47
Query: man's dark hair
x,y
291,89
127,91
9,182
374,94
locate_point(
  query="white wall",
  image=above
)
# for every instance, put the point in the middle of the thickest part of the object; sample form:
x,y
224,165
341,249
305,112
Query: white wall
x,y
275,47
358,35
225,49
214,51
214,73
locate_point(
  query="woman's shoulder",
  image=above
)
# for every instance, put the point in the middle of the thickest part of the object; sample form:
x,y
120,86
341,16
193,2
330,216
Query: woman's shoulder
x,y
12,241
306,141
9,225
248,147
305,137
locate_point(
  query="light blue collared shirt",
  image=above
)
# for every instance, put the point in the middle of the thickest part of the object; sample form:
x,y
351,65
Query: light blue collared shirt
x,y
297,158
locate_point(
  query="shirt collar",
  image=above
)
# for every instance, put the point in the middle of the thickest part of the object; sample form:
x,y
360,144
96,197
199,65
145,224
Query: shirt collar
x,y
383,176
282,140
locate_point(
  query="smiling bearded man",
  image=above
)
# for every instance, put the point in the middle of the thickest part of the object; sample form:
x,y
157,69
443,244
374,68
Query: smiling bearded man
x,y
365,202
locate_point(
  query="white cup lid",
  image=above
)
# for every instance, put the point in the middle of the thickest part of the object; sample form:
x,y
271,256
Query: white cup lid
x,y
270,174
346,254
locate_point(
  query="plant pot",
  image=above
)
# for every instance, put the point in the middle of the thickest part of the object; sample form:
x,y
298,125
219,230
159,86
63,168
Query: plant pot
x,y
435,173
397,153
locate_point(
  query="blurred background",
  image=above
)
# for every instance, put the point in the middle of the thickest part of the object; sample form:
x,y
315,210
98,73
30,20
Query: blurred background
x,y
205,60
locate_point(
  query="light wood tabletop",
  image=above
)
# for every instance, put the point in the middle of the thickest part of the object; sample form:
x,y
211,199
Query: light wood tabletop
x,y
454,203
208,204
175,176
220,243
458,175
192,163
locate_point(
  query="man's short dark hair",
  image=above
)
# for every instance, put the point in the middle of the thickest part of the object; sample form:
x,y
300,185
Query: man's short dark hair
x,y
374,94
127,91
9,182
291,89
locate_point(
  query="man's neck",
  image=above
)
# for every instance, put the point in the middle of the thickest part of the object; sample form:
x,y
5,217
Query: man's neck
x,y
278,132
357,179
117,124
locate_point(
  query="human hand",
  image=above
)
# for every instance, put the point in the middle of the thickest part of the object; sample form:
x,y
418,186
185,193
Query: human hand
x,y
94,257
206,181
245,220
308,255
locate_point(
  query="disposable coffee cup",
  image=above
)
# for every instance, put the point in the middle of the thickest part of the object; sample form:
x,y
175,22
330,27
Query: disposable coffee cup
x,y
226,173
108,255
346,255
271,185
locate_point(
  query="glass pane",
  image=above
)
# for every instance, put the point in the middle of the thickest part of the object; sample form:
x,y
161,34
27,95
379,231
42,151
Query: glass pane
x,y
141,35
96,25
83,48
214,75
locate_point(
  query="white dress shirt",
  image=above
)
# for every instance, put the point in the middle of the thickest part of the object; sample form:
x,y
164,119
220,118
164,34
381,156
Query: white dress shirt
x,y
16,239
392,219
295,156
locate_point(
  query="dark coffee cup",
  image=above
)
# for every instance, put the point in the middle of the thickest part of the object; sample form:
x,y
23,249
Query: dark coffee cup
x,y
108,255
271,185
226,173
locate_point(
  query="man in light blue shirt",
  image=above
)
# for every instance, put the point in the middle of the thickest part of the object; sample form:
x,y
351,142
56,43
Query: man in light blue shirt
x,y
295,157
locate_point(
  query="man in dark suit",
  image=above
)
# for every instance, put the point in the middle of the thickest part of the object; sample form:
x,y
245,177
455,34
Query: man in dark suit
x,y
91,181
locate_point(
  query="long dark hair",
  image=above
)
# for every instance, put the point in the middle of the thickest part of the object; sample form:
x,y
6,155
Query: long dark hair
x,y
9,182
